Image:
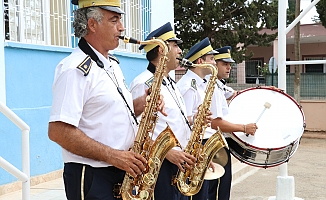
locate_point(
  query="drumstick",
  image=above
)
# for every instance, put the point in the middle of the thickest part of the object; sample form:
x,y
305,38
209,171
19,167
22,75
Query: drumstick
x,y
266,105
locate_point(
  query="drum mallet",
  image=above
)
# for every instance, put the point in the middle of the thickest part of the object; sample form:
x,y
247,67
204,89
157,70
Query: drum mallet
x,y
266,105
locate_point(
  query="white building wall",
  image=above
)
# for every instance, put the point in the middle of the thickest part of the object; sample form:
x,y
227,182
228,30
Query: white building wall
x,y
162,12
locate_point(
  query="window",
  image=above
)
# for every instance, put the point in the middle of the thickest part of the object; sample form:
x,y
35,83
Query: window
x,y
253,70
37,22
49,22
136,22
315,68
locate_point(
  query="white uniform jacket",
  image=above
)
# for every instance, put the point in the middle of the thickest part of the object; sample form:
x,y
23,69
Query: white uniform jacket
x,y
219,103
192,88
92,103
173,100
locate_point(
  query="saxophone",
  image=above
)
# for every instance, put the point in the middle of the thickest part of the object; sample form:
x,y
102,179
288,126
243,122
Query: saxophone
x,y
189,182
153,151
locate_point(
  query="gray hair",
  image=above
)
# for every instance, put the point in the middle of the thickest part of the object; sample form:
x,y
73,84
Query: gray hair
x,y
81,17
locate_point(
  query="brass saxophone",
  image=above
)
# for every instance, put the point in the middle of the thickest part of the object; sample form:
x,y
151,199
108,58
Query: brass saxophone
x,y
153,151
189,182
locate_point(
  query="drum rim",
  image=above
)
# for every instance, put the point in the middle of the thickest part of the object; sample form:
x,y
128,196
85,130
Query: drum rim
x,y
266,149
281,92
273,89
237,139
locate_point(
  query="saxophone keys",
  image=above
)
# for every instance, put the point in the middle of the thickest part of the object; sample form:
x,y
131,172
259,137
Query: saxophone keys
x,y
154,163
149,179
144,194
194,183
185,188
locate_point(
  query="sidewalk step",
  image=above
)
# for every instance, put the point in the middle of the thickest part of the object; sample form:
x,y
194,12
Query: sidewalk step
x,y
240,170
50,190
54,190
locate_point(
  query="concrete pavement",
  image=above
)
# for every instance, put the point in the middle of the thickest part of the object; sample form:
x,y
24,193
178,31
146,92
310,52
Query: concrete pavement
x,y
307,166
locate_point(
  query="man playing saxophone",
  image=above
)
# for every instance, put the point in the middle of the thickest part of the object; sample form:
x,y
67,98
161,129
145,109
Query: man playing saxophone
x,y
174,107
89,118
192,86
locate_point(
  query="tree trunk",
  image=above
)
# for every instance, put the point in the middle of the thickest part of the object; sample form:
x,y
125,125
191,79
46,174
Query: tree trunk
x,y
297,68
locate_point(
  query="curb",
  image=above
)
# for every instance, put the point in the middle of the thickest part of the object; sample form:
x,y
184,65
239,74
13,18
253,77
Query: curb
x,y
315,135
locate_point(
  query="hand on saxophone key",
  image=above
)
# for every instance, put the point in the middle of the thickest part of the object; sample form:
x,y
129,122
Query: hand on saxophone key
x,y
131,162
160,102
161,105
209,118
181,159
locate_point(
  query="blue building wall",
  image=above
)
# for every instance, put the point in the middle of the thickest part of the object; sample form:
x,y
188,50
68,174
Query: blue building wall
x,y
29,73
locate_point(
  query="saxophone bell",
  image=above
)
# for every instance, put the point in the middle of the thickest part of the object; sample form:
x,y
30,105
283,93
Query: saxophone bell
x,y
189,182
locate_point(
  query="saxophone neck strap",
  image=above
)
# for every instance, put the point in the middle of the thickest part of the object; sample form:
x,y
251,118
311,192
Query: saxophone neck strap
x,y
151,67
83,45
175,97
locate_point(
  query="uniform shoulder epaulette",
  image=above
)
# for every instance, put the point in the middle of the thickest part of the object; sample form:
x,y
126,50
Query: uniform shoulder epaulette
x,y
112,57
149,81
85,66
193,84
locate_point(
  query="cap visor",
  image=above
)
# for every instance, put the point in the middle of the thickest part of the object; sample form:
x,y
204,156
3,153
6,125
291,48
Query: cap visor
x,y
230,60
177,40
113,9
213,52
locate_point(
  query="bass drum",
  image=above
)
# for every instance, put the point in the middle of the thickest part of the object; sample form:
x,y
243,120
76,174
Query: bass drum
x,y
280,126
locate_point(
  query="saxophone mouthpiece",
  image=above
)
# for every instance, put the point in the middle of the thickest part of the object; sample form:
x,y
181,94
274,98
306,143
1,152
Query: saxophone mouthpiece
x,y
185,63
127,39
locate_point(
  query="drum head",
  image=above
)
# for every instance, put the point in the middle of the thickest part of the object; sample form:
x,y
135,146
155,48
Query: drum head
x,y
278,126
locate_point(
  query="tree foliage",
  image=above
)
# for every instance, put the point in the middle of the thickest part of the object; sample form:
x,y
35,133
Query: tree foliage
x,y
290,13
321,10
227,22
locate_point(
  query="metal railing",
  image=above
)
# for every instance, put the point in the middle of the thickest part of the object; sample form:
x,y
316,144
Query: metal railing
x,y
23,175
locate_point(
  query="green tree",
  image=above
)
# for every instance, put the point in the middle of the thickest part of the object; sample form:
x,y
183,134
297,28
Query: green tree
x,y
290,16
227,22
321,10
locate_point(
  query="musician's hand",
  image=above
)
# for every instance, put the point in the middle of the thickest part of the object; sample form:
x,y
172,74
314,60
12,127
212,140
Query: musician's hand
x,y
211,166
251,129
275,88
129,161
160,102
209,118
181,159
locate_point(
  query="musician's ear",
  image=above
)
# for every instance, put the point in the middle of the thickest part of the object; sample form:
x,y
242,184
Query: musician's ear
x,y
200,60
92,23
160,50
